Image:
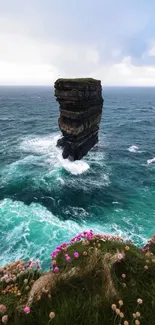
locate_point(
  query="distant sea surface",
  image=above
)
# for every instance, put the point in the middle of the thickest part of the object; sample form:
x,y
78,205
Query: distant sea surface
x,y
45,199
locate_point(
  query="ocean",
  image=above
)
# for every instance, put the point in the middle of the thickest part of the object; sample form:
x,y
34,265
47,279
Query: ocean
x,y
45,199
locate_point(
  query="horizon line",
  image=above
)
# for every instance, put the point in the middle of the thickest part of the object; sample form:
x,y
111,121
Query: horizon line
x,y
103,86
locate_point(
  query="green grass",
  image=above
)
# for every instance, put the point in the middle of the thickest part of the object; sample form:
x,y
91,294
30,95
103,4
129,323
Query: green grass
x,y
81,80
82,299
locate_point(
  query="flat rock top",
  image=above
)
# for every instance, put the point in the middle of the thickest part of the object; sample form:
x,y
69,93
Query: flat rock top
x,y
79,80
77,83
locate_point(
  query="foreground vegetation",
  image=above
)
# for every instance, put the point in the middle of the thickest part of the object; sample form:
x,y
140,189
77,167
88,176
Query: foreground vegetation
x,y
95,280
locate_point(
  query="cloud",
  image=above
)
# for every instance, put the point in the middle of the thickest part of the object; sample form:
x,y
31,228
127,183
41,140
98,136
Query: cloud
x,y
112,40
126,73
23,74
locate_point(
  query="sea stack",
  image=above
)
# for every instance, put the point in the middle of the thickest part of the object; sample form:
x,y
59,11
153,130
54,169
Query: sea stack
x,y
81,105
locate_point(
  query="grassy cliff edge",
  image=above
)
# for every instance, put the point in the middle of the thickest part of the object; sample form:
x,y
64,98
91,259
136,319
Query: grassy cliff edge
x,y
94,279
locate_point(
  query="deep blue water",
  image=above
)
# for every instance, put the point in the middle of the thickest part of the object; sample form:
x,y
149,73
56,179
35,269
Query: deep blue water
x,y
45,199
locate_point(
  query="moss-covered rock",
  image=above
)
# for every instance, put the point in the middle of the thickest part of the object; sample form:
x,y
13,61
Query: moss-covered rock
x,y
78,80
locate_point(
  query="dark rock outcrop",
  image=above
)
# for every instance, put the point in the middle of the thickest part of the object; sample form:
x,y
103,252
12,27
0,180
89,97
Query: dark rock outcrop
x,y
80,114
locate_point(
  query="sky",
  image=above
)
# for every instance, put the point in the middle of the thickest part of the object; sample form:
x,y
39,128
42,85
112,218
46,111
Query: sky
x,y
111,40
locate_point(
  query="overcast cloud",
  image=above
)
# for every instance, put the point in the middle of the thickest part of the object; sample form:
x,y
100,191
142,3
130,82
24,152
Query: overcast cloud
x,y
107,39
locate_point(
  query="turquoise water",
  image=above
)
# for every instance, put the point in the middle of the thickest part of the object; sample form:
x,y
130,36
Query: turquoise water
x,y
45,200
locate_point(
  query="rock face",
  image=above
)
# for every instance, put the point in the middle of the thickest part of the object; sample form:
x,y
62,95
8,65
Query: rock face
x,y
81,105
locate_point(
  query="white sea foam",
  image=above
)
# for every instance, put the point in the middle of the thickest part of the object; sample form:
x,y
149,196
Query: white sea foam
x,y
30,228
133,148
95,182
74,167
150,161
60,180
40,145
47,146
34,231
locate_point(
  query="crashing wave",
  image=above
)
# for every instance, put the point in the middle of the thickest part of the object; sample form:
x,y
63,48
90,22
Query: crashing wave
x,y
74,167
150,161
47,146
133,148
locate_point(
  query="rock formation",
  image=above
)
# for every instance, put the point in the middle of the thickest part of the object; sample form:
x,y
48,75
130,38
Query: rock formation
x,y
80,114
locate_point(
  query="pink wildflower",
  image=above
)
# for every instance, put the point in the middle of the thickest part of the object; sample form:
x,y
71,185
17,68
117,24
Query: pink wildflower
x,y
56,269
2,309
67,257
140,301
118,311
123,276
126,322
64,245
145,267
51,315
5,319
76,254
120,256
113,307
27,310
54,254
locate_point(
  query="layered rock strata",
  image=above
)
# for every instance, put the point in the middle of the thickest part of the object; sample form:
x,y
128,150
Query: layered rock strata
x,y
81,105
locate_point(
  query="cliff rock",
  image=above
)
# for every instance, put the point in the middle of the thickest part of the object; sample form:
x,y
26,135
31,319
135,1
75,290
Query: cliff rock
x,y
81,105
